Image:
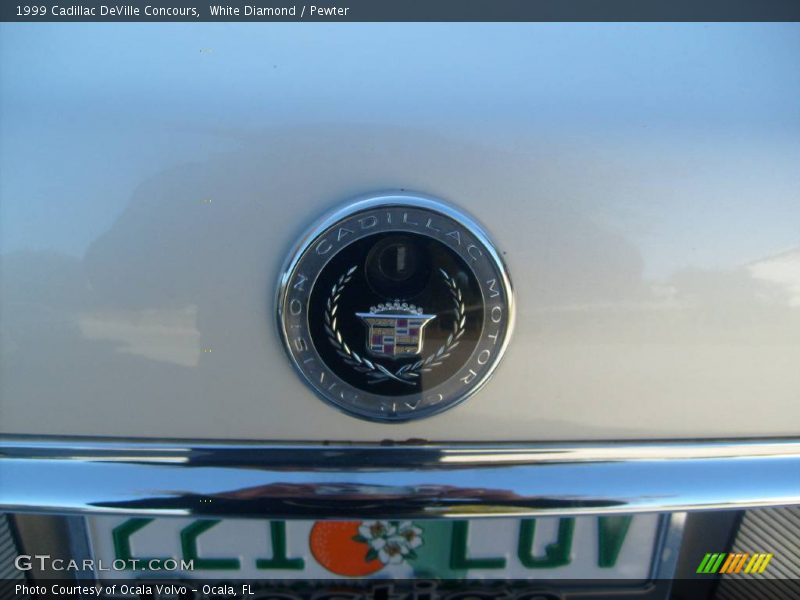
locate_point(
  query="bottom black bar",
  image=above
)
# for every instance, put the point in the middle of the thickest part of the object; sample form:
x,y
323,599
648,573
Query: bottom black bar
x,y
265,589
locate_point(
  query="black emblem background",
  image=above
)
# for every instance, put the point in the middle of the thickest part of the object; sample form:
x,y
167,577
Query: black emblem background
x,y
358,296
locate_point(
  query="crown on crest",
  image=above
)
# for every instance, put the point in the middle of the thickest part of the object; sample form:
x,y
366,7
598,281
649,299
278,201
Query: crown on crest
x,y
396,306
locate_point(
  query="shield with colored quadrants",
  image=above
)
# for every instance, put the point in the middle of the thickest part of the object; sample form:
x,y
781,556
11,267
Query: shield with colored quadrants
x,y
395,330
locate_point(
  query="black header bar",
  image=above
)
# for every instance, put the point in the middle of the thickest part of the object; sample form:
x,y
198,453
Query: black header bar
x,y
397,10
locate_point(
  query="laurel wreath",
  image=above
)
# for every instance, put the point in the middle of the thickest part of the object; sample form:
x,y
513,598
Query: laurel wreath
x,y
376,372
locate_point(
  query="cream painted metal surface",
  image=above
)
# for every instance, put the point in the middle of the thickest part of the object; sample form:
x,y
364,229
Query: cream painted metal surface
x,y
642,181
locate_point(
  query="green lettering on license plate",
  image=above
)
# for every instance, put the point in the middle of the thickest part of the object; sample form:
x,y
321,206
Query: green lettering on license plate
x,y
574,547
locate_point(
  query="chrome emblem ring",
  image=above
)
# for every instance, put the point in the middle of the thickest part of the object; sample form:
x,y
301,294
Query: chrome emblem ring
x,y
395,307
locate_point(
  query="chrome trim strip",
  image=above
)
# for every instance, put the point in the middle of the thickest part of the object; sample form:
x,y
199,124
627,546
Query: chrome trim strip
x,y
415,481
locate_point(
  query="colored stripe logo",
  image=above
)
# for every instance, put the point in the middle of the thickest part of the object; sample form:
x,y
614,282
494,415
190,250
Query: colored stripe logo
x,y
734,562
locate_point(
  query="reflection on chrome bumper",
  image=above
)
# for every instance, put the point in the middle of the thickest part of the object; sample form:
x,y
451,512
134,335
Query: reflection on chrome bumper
x,y
393,481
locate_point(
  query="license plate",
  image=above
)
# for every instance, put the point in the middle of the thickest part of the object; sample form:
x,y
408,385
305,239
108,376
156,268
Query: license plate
x,y
610,547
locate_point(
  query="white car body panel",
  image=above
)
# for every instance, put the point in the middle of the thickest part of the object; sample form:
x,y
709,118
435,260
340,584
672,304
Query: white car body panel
x,y
642,182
